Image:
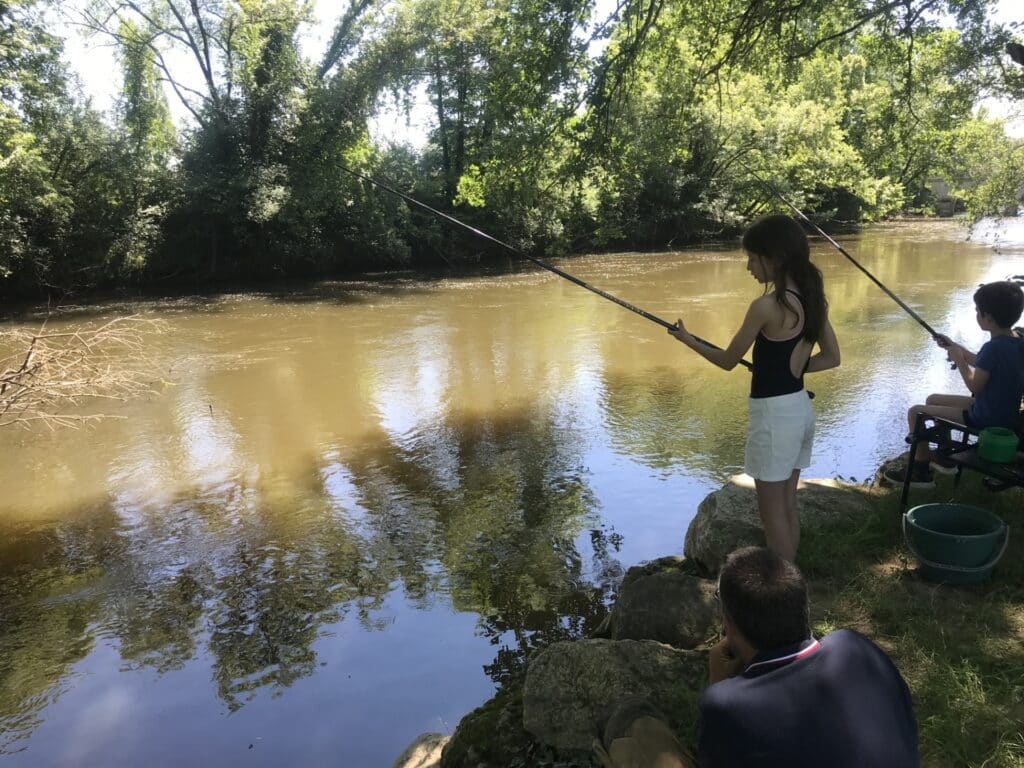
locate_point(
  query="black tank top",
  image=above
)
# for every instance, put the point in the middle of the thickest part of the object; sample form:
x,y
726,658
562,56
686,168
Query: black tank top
x,y
771,374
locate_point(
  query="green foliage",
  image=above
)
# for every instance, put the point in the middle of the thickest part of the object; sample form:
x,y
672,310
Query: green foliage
x,y
32,213
77,207
984,166
852,111
144,111
844,139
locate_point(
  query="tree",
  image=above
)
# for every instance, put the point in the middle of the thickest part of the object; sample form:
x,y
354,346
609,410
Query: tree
x,y
985,168
33,214
852,108
61,170
143,108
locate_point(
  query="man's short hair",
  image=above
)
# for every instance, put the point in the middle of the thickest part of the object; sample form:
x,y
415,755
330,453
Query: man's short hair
x,y
766,598
1003,300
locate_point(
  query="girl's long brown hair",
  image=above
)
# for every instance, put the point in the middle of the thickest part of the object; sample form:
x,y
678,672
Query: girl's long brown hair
x,y
781,242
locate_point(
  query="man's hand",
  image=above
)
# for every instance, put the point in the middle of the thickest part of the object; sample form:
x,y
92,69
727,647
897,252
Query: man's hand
x,y
721,662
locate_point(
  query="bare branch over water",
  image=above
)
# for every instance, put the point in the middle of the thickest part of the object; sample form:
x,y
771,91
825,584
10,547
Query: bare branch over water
x,y
52,378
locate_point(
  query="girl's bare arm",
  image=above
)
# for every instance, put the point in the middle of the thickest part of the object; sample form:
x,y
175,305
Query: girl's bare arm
x,y
828,350
728,358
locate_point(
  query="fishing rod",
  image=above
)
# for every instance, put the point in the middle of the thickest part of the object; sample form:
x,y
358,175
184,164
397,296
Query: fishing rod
x,y
539,262
800,214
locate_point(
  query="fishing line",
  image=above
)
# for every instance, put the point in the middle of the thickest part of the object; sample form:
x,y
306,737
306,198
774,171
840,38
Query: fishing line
x,y
539,262
800,214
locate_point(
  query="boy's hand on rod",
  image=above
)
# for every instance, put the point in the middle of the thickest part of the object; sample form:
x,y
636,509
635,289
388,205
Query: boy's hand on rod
x,y
957,354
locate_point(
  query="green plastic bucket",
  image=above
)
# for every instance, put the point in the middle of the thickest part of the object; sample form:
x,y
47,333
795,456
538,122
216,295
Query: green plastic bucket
x,y
997,444
955,543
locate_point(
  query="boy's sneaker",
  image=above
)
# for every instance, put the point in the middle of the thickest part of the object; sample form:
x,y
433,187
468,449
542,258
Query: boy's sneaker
x,y
920,475
942,464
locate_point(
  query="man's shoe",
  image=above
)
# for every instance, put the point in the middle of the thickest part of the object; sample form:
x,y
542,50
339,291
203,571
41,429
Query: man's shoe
x,y
635,734
942,464
920,475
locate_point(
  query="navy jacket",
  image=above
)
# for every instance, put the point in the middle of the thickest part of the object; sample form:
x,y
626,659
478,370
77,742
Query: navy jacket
x,y
839,703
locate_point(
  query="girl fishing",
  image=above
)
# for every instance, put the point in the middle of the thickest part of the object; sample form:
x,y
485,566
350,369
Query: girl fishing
x,y
784,325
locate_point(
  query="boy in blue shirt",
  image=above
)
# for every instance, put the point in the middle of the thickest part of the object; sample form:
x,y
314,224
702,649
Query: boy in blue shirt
x,y
994,376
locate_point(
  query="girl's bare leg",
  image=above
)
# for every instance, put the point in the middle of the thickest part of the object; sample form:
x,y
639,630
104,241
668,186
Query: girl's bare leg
x,y
771,506
792,517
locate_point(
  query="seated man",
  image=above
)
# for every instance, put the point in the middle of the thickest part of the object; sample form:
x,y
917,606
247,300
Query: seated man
x,y
778,697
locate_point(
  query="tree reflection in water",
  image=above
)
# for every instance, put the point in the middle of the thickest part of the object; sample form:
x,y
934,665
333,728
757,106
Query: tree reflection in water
x,y
484,513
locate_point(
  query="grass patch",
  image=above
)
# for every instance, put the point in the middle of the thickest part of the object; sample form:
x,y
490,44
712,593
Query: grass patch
x,y
961,649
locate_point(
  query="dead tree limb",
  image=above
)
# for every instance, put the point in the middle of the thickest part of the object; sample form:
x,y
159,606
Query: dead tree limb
x,y
51,378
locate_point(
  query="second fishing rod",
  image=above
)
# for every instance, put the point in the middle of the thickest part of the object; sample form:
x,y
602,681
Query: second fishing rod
x,y
801,216
625,304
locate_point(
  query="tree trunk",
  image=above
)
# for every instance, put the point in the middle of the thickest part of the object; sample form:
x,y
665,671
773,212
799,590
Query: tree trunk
x,y
442,129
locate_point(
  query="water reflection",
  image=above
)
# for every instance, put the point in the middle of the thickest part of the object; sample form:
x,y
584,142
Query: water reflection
x,y
248,572
347,490
663,418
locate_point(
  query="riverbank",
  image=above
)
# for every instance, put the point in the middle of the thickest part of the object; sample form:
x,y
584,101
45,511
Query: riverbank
x,y
960,649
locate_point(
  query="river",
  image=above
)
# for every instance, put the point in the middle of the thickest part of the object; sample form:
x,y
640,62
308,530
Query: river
x,y
347,511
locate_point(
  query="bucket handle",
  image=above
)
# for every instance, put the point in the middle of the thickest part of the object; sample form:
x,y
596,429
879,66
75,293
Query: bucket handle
x,y
958,568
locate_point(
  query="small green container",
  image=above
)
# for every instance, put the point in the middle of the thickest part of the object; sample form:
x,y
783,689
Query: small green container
x,y
998,445
955,543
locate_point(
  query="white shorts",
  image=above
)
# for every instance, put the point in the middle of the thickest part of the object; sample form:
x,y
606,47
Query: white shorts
x,y
779,436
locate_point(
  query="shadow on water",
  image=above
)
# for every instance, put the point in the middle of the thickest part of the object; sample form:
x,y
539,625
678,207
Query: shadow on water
x,y
356,288
489,521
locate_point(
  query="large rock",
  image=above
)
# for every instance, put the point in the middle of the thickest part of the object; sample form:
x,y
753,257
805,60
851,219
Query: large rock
x,y
668,606
571,686
666,564
491,735
727,519
897,463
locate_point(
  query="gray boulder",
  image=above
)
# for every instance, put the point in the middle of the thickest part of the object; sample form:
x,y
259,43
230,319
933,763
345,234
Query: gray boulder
x,y
668,606
491,735
897,463
727,519
571,686
666,564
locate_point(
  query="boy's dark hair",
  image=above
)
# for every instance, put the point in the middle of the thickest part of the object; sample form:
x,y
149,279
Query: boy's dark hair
x,y
1003,300
766,598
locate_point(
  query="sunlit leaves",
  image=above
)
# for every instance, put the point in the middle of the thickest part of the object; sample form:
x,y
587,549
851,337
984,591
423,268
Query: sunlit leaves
x,y
533,135
144,109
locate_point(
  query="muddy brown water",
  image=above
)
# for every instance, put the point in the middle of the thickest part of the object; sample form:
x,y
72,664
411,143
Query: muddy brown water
x,y
346,513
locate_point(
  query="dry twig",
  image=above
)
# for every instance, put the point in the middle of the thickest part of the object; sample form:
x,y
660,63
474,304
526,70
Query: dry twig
x,y
50,375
